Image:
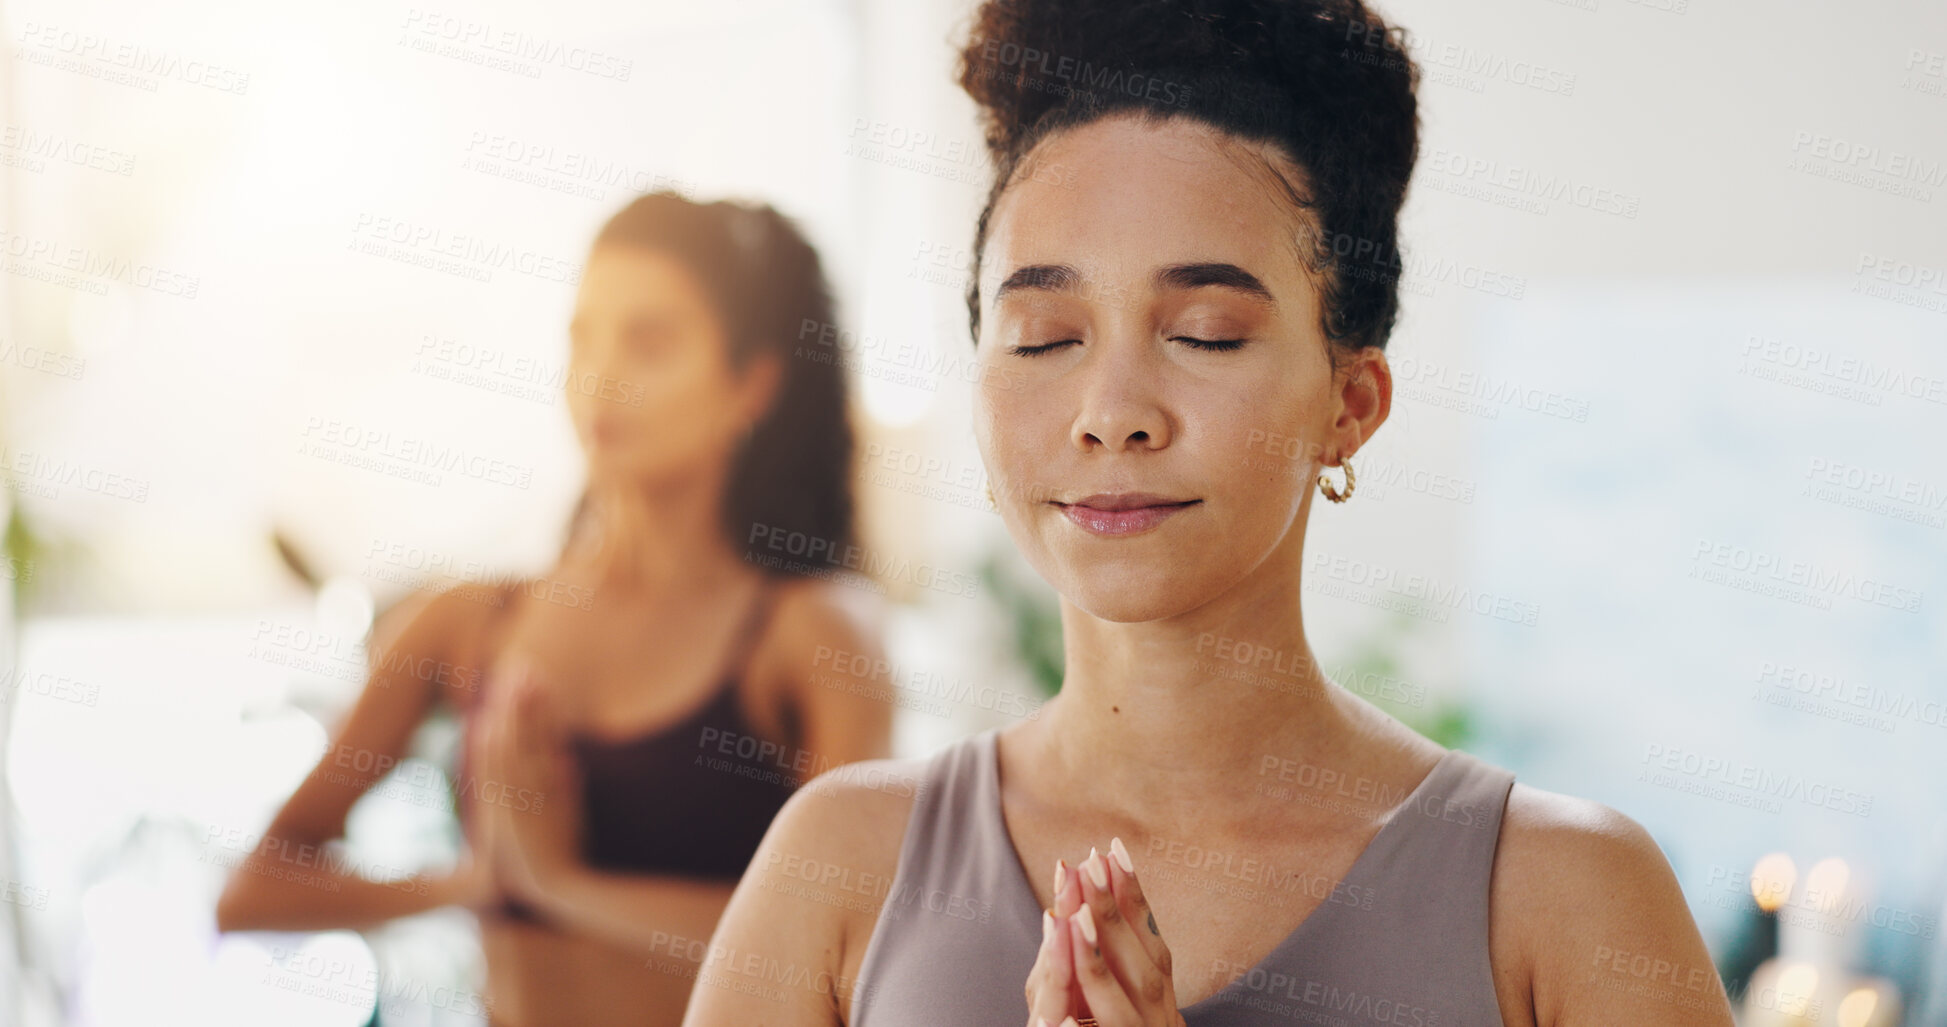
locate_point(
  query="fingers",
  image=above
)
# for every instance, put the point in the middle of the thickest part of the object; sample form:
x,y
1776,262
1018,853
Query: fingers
x,y
1050,981
1134,906
1068,890
1101,991
1119,938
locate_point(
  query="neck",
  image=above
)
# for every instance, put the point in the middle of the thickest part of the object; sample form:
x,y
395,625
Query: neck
x,y
1185,711
654,536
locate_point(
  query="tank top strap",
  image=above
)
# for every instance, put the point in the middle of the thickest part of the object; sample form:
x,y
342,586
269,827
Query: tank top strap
x,y
1444,834
743,645
1419,897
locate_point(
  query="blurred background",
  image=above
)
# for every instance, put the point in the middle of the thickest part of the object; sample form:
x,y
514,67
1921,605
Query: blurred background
x,y
1659,518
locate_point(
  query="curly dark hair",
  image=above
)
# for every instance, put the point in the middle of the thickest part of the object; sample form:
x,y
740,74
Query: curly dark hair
x,y
1325,82
766,284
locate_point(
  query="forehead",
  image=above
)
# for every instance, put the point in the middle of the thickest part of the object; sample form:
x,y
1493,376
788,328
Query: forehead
x,y
1120,196
620,273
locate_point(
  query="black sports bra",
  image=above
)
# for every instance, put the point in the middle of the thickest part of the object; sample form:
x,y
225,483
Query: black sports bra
x,y
691,799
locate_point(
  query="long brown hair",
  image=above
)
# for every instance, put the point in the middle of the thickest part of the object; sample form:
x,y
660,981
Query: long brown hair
x,y
765,282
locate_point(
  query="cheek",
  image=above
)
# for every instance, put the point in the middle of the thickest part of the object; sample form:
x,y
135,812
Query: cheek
x,y
1005,430
1267,434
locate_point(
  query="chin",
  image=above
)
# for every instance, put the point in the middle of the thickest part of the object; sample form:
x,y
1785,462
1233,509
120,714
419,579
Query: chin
x,y
1130,592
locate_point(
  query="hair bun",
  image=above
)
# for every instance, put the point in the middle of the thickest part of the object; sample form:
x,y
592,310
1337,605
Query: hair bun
x,y
1024,58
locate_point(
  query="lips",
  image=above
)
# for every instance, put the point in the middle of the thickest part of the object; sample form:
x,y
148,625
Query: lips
x,y
1118,514
1127,501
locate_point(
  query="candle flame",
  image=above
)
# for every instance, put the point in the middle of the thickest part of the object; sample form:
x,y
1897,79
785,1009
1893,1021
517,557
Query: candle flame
x,y
1795,988
1856,1009
1825,885
1772,880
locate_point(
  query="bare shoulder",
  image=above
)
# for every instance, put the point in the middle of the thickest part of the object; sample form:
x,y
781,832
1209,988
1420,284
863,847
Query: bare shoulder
x,y
813,616
852,817
438,638
1588,921
812,893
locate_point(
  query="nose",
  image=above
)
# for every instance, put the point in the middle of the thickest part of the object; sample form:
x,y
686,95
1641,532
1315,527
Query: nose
x,y
1121,405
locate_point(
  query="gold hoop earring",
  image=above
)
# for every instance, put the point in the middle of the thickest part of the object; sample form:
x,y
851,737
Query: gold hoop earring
x,y
1333,493
991,505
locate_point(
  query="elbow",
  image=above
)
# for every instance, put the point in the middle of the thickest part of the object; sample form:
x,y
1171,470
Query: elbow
x,y
231,914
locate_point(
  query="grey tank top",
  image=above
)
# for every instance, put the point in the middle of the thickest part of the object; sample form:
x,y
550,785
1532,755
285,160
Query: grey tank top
x,y
1401,940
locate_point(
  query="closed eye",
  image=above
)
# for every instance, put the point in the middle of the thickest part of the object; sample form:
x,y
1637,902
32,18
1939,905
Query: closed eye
x,y
1032,351
1212,344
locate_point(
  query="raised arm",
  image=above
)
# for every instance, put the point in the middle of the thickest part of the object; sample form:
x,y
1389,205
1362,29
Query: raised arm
x,y
822,656
287,882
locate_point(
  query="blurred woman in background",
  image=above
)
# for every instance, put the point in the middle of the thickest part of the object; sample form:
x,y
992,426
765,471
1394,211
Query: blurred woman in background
x,y
635,716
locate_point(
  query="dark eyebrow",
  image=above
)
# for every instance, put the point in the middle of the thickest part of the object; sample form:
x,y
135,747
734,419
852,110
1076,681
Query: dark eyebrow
x,y
1227,276
1064,278
1046,277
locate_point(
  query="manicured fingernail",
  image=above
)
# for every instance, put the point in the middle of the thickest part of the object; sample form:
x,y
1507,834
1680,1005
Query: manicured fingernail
x,y
1088,924
1097,870
1121,852
1061,874
1047,930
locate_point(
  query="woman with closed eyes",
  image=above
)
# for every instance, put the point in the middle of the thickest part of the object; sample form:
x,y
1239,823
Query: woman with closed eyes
x,y
1183,292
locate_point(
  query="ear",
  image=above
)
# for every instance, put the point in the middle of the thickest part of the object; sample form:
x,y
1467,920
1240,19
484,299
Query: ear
x,y
763,377
1366,398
